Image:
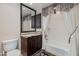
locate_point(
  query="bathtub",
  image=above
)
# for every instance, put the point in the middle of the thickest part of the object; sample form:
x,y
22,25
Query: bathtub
x,y
57,50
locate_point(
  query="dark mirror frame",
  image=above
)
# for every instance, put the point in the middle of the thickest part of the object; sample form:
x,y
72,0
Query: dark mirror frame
x,y
21,4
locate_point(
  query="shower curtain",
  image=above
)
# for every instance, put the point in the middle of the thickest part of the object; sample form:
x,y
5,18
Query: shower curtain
x,y
57,28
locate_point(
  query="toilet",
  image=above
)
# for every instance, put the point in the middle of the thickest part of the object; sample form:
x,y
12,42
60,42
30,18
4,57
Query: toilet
x,y
10,48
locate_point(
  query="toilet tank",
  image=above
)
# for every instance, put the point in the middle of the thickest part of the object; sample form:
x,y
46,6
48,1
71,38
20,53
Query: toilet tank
x,y
10,44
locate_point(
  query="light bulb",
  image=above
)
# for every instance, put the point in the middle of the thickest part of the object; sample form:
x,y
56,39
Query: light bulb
x,y
30,3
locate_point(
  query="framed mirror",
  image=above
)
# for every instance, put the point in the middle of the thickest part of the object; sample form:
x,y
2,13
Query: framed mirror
x,y
27,15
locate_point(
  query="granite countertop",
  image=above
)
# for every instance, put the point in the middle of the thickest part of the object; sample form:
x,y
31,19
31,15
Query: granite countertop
x,y
29,34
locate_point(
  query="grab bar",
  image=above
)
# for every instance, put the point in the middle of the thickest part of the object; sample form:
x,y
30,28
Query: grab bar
x,y
72,34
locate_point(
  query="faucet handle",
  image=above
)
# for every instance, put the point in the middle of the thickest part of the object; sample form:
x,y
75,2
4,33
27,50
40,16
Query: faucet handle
x,y
46,36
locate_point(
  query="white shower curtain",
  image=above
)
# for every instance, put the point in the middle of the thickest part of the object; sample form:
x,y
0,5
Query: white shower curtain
x,y
58,28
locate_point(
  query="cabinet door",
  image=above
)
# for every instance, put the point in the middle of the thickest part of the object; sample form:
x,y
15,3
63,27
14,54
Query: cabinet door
x,y
39,42
23,46
36,43
30,46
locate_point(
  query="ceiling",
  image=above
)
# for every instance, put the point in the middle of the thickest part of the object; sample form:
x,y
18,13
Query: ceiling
x,y
38,6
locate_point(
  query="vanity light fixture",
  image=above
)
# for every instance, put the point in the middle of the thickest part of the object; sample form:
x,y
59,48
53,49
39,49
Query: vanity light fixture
x,y
31,3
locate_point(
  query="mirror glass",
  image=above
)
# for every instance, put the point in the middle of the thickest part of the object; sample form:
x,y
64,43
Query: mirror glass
x,y
27,16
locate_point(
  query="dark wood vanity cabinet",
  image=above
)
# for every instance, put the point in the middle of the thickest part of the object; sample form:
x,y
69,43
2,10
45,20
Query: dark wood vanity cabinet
x,y
31,45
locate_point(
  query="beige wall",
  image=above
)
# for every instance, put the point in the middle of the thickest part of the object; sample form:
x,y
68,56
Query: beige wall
x,y
9,21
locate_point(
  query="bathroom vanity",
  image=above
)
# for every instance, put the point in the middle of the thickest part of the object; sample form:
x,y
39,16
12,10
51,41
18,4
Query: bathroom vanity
x,y
31,39
30,43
